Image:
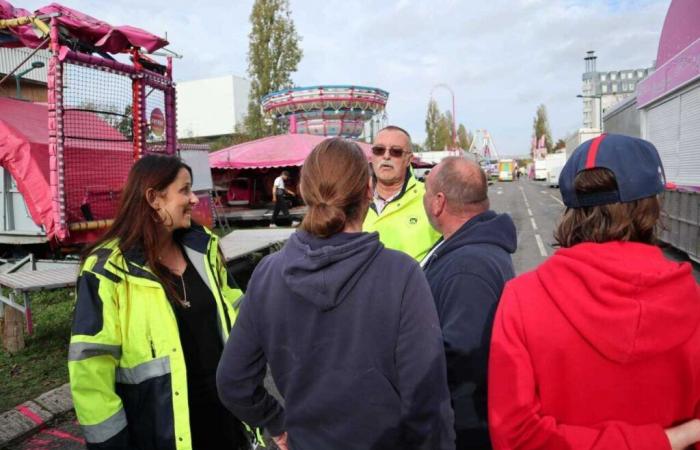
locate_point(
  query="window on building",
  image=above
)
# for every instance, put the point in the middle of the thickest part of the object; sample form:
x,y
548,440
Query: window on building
x,y
604,88
602,77
614,87
613,76
640,74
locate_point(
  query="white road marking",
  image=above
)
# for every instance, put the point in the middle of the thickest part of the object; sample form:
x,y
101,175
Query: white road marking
x,y
557,200
544,192
499,192
540,244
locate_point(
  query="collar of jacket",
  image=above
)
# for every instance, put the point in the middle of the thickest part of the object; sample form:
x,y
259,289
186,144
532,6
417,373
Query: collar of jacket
x,y
196,239
408,182
454,242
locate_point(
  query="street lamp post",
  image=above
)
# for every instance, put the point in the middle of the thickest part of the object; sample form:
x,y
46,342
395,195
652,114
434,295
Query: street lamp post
x,y
600,108
18,76
454,117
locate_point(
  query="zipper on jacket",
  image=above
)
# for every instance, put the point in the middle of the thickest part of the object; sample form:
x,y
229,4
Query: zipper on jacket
x,y
153,348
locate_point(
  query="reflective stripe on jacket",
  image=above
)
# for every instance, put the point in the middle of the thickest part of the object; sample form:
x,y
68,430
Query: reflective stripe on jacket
x,y
126,365
403,224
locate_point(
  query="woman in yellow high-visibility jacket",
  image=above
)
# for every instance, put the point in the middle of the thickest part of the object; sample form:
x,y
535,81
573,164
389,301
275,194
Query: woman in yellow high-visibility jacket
x,y
154,308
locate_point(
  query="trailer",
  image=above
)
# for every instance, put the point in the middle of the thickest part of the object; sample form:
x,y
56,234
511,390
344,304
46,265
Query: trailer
x,y
669,105
555,164
540,172
505,169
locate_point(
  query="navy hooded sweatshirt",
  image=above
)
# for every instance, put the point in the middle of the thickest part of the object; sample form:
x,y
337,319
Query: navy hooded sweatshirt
x,y
352,338
466,274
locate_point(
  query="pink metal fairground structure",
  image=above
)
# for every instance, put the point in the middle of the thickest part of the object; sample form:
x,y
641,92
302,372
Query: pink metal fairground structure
x,y
107,103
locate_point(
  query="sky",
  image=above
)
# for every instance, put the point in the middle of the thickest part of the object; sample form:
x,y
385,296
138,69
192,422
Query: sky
x,y
501,58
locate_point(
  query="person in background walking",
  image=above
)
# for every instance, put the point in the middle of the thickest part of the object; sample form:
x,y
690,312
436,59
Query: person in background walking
x,y
599,347
348,327
279,192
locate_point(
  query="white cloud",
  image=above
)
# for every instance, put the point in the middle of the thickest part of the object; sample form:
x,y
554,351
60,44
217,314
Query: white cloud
x,y
502,58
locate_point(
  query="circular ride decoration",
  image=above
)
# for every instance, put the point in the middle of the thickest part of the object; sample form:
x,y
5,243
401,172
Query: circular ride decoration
x,y
336,110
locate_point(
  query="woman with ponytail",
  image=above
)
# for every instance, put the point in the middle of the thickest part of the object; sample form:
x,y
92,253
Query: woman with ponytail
x,y
348,328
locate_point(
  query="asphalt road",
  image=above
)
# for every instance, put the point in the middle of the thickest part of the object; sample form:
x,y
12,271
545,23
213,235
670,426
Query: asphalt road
x,y
535,209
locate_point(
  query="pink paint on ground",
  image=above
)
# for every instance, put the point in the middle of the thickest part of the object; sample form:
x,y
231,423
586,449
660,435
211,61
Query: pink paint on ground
x,y
37,444
31,415
63,435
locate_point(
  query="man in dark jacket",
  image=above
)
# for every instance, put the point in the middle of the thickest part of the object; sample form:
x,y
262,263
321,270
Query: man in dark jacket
x,y
467,270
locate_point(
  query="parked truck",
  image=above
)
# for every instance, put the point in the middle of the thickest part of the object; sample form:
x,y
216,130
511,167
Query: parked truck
x,y
555,163
540,169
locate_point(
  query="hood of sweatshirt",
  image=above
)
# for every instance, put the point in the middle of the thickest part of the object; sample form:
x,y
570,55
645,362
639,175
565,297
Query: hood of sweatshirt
x,y
323,271
486,228
626,299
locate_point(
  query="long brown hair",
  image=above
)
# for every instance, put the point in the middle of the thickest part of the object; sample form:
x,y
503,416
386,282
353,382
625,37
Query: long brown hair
x,y
137,225
334,182
633,221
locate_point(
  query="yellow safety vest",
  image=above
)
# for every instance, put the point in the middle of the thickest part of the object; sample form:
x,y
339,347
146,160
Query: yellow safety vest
x,y
403,224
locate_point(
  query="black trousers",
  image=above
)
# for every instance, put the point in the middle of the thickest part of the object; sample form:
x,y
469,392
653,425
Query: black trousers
x,y
280,205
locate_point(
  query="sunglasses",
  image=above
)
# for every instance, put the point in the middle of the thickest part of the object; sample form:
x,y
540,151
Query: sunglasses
x,y
394,152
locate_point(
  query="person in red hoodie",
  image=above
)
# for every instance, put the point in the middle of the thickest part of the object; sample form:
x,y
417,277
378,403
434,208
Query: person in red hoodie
x,y
599,347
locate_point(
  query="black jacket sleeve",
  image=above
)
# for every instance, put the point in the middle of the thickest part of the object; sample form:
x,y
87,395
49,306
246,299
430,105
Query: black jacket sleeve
x,y
466,305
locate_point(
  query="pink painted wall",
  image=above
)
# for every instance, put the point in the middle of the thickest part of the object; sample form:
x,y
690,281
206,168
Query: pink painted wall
x,y
678,57
681,28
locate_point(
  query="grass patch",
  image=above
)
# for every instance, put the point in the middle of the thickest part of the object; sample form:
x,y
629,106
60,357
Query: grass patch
x,y
42,365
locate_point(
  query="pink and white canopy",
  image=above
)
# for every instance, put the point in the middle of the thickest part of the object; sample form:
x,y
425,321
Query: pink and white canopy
x,y
288,150
87,29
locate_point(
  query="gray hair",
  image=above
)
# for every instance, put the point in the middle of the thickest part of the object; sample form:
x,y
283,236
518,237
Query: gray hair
x,y
463,183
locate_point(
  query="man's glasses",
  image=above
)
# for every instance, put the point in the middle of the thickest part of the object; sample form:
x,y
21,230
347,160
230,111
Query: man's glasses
x,y
394,151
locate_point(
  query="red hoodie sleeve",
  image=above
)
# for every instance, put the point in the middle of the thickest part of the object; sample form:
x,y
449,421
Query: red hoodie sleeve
x,y
515,417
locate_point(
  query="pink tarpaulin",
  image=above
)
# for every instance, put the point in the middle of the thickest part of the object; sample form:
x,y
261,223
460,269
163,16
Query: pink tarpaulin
x,y
94,174
286,150
87,29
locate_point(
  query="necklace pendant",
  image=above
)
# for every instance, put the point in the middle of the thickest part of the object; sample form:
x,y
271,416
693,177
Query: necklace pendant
x,y
186,304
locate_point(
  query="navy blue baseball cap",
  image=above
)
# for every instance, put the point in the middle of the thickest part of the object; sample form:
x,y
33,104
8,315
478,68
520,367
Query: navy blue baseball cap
x,y
634,162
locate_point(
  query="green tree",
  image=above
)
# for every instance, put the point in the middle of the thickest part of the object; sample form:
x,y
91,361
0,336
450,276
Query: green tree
x,y
540,127
432,123
559,145
273,54
417,147
444,133
126,123
464,137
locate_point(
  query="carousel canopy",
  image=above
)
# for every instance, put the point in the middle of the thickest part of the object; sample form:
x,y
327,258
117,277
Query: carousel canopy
x,y
285,150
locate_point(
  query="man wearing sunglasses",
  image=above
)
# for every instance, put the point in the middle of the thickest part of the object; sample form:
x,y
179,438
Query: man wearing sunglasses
x,y
397,210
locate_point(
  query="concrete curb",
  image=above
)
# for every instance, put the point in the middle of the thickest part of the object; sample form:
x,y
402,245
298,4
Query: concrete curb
x,y
31,416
